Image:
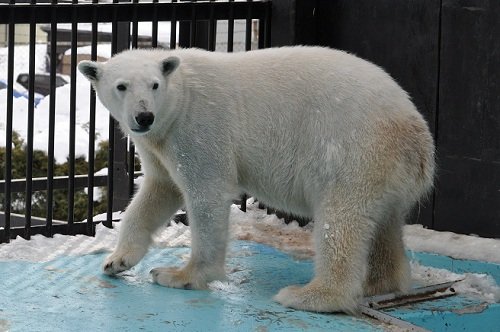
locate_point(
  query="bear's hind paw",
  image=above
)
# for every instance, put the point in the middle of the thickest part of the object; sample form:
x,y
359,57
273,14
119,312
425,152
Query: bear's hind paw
x,y
316,299
192,276
177,278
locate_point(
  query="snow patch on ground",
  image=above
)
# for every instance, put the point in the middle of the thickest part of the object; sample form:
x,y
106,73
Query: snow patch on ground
x,y
43,249
458,246
175,235
257,226
477,285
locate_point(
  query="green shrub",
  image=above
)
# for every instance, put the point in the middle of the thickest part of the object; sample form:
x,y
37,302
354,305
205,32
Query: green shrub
x,y
60,196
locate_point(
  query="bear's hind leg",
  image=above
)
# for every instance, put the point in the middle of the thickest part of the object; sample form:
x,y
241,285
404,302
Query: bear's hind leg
x,y
389,270
342,238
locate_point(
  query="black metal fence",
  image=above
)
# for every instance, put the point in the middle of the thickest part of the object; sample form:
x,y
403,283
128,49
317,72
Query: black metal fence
x,y
442,53
190,24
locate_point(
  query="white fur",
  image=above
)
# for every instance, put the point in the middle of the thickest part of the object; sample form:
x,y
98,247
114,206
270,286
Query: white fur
x,y
311,131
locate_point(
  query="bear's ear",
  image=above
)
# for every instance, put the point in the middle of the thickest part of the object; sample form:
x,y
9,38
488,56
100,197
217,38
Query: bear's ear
x,y
169,65
90,69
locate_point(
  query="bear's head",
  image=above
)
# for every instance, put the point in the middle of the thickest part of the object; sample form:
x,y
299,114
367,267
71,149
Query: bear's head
x,y
135,88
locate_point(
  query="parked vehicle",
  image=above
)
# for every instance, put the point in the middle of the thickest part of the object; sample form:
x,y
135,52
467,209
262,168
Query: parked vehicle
x,y
42,82
20,92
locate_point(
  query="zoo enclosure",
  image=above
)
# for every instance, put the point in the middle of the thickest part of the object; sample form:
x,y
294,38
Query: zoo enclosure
x,y
444,53
192,24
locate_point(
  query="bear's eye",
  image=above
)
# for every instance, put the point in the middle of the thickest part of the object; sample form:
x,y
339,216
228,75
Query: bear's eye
x,y
155,86
121,87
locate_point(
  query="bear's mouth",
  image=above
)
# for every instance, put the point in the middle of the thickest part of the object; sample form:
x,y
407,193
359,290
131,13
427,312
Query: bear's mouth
x,y
141,130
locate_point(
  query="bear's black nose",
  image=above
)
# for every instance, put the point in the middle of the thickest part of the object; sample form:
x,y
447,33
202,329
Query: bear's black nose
x,y
145,119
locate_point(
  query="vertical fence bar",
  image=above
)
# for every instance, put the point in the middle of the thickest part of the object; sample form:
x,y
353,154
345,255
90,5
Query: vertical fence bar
x,y
52,115
92,119
131,168
184,31
262,33
192,25
265,26
212,29
243,206
111,142
131,147
72,121
8,125
154,26
267,19
248,46
248,27
135,26
230,27
121,190
117,159
121,180
31,120
111,138
173,26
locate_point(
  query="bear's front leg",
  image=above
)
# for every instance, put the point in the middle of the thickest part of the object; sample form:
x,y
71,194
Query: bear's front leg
x,y
154,204
208,220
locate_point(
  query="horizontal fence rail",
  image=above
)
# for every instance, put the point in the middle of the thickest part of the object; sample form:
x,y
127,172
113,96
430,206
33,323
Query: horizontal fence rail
x,y
34,182
125,12
58,182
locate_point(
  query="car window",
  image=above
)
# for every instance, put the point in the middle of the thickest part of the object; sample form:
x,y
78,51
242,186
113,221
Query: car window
x,y
60,81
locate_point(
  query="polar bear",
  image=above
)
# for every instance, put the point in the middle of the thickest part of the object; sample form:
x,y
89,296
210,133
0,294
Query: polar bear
x,y
311,131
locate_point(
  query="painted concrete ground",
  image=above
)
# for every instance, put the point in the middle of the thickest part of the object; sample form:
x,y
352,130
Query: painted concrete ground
x,y
70,294
456,313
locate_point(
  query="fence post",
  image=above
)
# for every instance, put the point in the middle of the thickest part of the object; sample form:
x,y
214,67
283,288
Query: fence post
x,y
293,22
200,33
120,147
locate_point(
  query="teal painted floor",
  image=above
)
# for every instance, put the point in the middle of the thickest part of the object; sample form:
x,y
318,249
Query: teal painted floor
x,y
70,294
457,313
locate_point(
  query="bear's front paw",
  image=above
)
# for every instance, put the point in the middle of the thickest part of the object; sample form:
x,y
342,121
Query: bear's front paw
x,y
184,278
122,260
316,298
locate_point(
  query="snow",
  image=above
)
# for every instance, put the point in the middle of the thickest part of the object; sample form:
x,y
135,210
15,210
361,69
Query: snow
x,y
62,111
255,225
21,59
62,104
103,50
450,244
143,29
477,285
